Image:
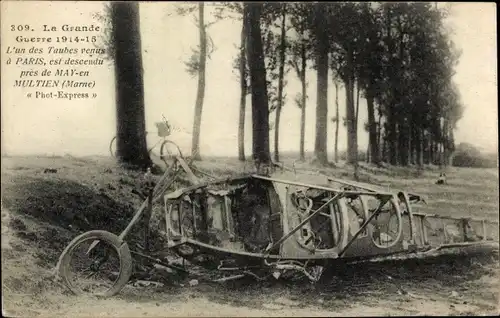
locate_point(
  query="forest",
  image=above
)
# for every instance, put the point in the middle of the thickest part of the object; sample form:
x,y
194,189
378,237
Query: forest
x,y
399,57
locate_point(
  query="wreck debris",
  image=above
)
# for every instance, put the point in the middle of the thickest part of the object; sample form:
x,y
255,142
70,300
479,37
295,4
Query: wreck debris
x,y
263,226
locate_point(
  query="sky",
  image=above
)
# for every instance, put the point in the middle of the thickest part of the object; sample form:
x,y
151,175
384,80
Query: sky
x,y
85,126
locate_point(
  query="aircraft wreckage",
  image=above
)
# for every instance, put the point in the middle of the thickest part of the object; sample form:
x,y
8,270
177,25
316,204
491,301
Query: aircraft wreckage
x,y
262,225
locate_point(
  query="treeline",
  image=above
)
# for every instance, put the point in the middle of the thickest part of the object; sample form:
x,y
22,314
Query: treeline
x,y
397,56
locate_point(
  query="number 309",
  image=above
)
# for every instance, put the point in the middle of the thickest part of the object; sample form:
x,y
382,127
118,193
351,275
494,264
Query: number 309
x,y
20,27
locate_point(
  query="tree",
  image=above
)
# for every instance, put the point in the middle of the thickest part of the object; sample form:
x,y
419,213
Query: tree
x,y
270,13
391,71
131,123
369,72
281,75
336,120
242,65
300,50
196,65
399,57
425,120
346,37
273,30
200,94
260,102
453,113
234,11
320,27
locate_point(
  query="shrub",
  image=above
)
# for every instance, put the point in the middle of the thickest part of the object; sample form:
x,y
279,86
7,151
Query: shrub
x,y
466,155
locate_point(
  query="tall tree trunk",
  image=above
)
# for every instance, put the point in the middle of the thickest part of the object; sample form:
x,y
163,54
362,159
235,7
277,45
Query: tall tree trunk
x,y
352,147
428,149
425,148
402,119
410,145
356,121
445,143
303,102
260,103
392,137
372,127
243,94
435,151
391,133
413,145
200,95
384,148
432,152
451,145
281,74
320,146
355,134
337,121
419,146
403,141
431,149
422,147
129,85
379,137
368,154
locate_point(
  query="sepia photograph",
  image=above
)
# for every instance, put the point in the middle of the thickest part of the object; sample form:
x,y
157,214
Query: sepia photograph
x,y
249,159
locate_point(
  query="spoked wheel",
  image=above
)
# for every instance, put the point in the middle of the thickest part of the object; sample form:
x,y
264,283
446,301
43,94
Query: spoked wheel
x,y
393,226
112,147
168,151
96,263
388,226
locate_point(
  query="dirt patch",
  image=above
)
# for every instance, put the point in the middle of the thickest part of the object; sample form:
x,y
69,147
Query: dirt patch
x,y
67,204
69,207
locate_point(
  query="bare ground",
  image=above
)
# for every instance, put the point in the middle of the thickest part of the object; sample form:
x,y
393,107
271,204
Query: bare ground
x,y
42,210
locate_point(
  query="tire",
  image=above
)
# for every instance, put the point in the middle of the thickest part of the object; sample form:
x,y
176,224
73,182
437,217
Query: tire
x,y
340,207
399,220
112,146
111,239
165,154
344,237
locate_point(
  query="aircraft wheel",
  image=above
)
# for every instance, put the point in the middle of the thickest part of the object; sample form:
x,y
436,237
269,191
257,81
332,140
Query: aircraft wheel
x,y
168,149
387,228
95,262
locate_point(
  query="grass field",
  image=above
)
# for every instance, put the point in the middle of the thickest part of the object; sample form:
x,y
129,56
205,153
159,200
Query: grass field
x,y
46,201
